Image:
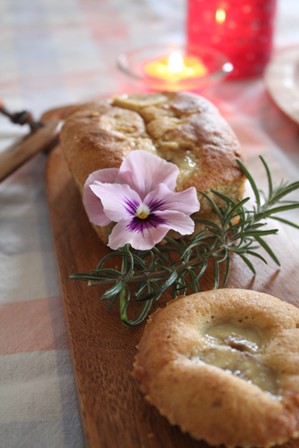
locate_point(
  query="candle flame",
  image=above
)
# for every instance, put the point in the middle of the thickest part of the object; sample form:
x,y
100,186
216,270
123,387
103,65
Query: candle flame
x,y
175,63
175,67
220,15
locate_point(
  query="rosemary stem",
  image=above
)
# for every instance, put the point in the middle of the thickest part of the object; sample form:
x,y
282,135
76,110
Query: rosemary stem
x,y
178,266
122,304
122,295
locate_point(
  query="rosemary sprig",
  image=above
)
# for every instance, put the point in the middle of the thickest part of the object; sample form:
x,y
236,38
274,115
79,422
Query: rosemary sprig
x,y
181,264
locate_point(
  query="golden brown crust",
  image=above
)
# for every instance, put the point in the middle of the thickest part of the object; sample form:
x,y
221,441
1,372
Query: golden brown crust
x,y
212,403
181,127
63,112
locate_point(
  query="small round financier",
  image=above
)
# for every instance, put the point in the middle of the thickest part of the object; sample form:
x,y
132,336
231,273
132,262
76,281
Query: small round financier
x,y
224,366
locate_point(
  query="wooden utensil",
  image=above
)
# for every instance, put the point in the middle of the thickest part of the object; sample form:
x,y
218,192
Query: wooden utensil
x,y
41,139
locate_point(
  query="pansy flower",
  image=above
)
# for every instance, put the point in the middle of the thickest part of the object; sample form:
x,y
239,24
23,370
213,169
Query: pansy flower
x,y
140,198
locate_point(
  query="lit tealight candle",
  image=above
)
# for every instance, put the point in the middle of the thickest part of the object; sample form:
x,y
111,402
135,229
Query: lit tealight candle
x,y
175,67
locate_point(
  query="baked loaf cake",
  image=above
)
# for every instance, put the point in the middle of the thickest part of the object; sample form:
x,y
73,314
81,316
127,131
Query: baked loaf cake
x,y
183,128
224,366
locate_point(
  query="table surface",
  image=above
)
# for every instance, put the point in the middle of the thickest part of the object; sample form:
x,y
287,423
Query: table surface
x,y
57,52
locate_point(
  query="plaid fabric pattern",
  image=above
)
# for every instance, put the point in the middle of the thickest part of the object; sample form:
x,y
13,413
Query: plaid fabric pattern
x,y
53,52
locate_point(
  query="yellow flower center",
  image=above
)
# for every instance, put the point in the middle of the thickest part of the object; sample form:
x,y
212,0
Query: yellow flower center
x,y
142,211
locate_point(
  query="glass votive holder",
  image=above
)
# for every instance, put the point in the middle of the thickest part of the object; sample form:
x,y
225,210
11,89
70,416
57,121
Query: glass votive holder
x,y
174,67
240,29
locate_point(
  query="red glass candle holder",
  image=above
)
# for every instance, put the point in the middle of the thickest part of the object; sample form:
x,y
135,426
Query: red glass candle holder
x,y
240,29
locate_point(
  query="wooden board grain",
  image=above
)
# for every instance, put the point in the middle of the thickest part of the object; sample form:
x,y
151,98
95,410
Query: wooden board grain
x,y
114,412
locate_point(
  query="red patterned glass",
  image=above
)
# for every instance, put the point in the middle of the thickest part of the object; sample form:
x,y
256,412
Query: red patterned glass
x,y
240,29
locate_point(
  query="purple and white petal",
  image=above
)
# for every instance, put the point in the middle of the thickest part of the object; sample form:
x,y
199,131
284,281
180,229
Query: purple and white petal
x,y
140,240
119,201
91,202
162,198
177,221
144,171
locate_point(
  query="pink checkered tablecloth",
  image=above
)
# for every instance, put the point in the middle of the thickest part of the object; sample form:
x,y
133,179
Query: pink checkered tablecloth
x,y
56,52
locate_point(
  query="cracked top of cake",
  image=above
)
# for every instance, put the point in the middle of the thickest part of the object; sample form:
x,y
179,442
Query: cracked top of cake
x,y
183,128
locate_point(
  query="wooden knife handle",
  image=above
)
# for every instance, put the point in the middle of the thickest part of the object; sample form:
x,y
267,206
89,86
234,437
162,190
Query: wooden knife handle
x,y
23,150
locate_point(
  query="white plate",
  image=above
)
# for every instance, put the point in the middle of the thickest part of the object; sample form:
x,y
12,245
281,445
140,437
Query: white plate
x,y
282,81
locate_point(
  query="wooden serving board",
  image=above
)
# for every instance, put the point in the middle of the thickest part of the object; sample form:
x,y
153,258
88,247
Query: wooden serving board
x,y
114,412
